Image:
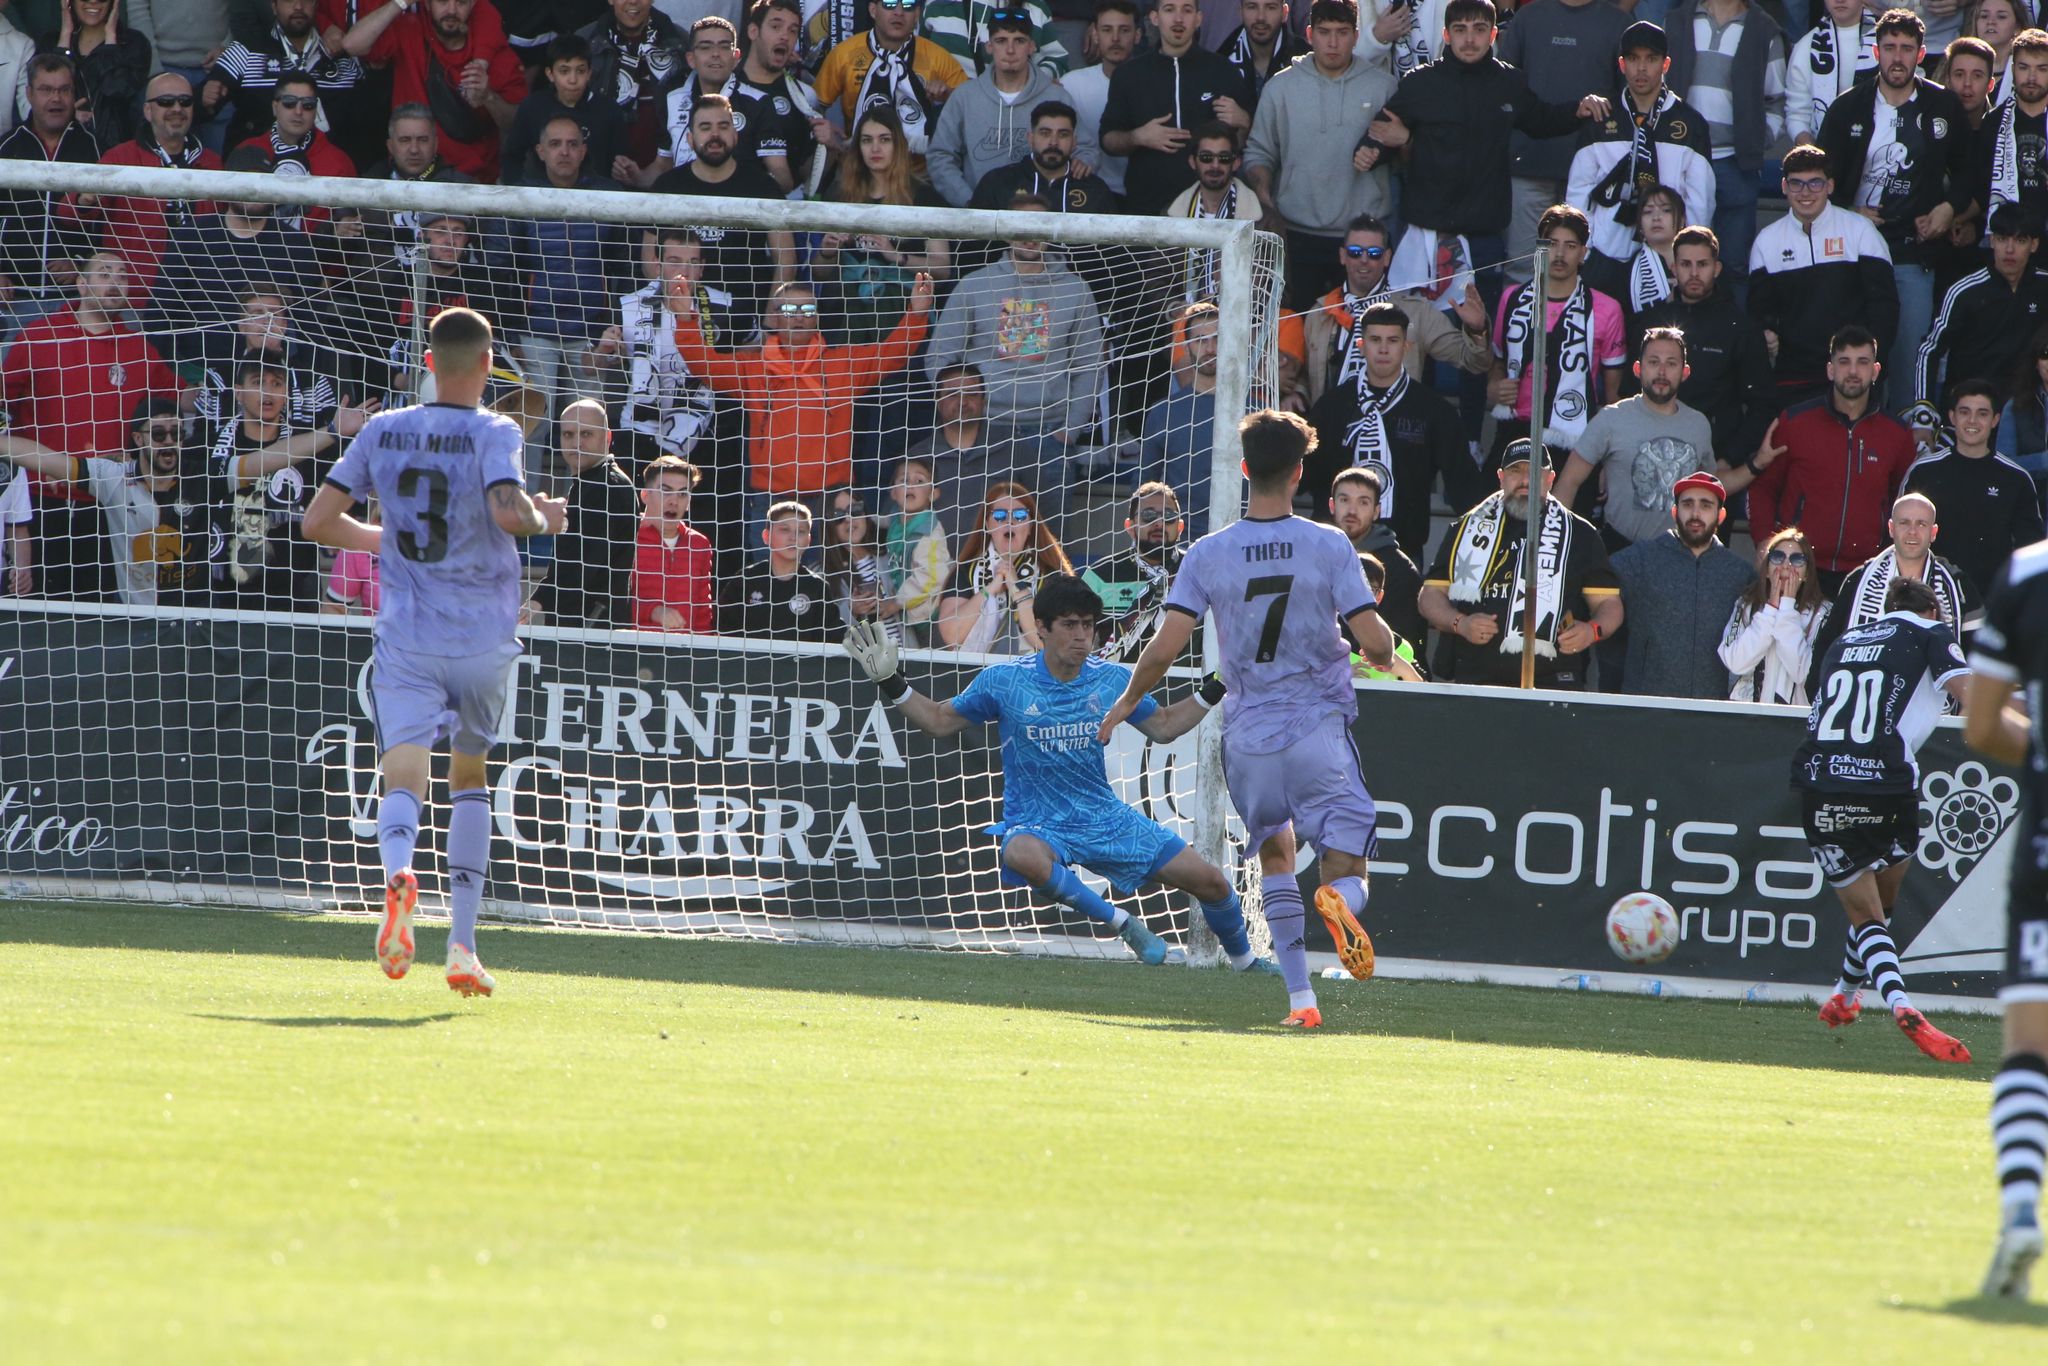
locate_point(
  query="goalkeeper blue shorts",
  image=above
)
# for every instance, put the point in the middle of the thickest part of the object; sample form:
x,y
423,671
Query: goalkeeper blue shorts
x,y
1117,843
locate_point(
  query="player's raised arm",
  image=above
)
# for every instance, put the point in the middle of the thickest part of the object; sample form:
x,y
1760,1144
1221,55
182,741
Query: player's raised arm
x,y
875,653
1175,626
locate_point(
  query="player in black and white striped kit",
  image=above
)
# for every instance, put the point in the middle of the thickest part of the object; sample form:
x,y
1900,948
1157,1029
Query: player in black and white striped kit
x,y
2011,653
1878,696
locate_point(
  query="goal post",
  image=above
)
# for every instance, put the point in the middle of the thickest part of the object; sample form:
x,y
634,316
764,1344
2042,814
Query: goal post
x,y
699,778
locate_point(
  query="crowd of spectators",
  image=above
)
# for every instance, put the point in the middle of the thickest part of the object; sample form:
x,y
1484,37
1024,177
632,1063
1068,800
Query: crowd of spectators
x,y
1793,289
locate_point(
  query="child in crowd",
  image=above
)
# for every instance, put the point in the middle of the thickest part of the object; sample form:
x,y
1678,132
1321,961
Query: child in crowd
x,y
566,93
1404,654
915,543
672,568
861,576
353,588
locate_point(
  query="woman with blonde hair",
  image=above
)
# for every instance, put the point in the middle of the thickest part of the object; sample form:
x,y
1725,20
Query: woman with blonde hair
x,y
1768,646
1001,562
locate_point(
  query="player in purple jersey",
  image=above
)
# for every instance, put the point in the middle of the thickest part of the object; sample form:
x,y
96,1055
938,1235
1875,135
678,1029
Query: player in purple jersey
x,y
448,479
1277,585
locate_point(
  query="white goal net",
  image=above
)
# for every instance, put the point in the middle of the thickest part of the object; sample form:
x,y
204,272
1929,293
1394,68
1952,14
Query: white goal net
x,y
760,433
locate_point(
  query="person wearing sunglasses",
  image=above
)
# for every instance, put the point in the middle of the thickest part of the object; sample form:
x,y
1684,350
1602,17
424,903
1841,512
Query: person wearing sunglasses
x,y
158,506
798,389
140,227
891,67
1301,157
1816,270
1768,642
1457,338
1133,583
1158,98
1002,562
966,29
243,79
296,145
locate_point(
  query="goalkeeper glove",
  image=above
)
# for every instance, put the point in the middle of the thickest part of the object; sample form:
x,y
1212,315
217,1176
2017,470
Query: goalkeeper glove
x,y
871,648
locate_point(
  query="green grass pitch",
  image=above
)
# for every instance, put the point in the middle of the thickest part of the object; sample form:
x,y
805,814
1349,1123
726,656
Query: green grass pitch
x,y
225,1137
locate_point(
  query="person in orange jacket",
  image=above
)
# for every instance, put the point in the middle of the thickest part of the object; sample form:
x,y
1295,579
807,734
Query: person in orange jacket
x,y
798,390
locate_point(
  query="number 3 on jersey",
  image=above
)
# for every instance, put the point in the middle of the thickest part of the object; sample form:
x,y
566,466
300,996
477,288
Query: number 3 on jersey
x,y
1867,687
434,516
1276,587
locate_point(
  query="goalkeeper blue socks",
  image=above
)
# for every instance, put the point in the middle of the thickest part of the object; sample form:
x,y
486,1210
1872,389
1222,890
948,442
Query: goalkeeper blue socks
x,y
1068,890
398,830
469,862
1285,914
1226,922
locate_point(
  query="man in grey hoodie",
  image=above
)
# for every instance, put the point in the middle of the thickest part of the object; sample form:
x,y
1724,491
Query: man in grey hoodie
x,y
1305,138
1030,326
986,123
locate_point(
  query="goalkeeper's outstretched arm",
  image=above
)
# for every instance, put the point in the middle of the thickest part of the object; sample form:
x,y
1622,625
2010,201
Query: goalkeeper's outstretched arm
x,y
1175,719
1168,641
875,653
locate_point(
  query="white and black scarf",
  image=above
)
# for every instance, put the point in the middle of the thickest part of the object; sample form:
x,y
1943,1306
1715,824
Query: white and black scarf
x,y
1419,46
177,212
1368,438
644,67
1479,554
1203,265
1244,58
1637,172
1868,603
892,84
1649,283
1823,60
1347,361
2005,158
687,93
1568,363
827,24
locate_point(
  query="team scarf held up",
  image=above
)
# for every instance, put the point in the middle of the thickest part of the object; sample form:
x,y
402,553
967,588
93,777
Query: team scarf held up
x,y
1568,363
892,84
1481,553
1420,45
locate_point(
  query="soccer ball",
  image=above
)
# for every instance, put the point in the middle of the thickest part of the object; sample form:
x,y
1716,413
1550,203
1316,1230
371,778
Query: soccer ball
x,y
1642,928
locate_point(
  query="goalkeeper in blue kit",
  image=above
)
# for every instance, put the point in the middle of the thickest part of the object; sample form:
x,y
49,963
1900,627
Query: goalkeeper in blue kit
x,y
1059,811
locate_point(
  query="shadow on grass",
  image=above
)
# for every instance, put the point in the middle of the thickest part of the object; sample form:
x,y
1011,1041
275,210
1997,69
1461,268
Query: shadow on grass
x,y
333,1021
1115,995
2022,1313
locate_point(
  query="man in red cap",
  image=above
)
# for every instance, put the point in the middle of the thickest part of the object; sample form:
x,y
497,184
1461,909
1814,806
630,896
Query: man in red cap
x,y
1679,590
